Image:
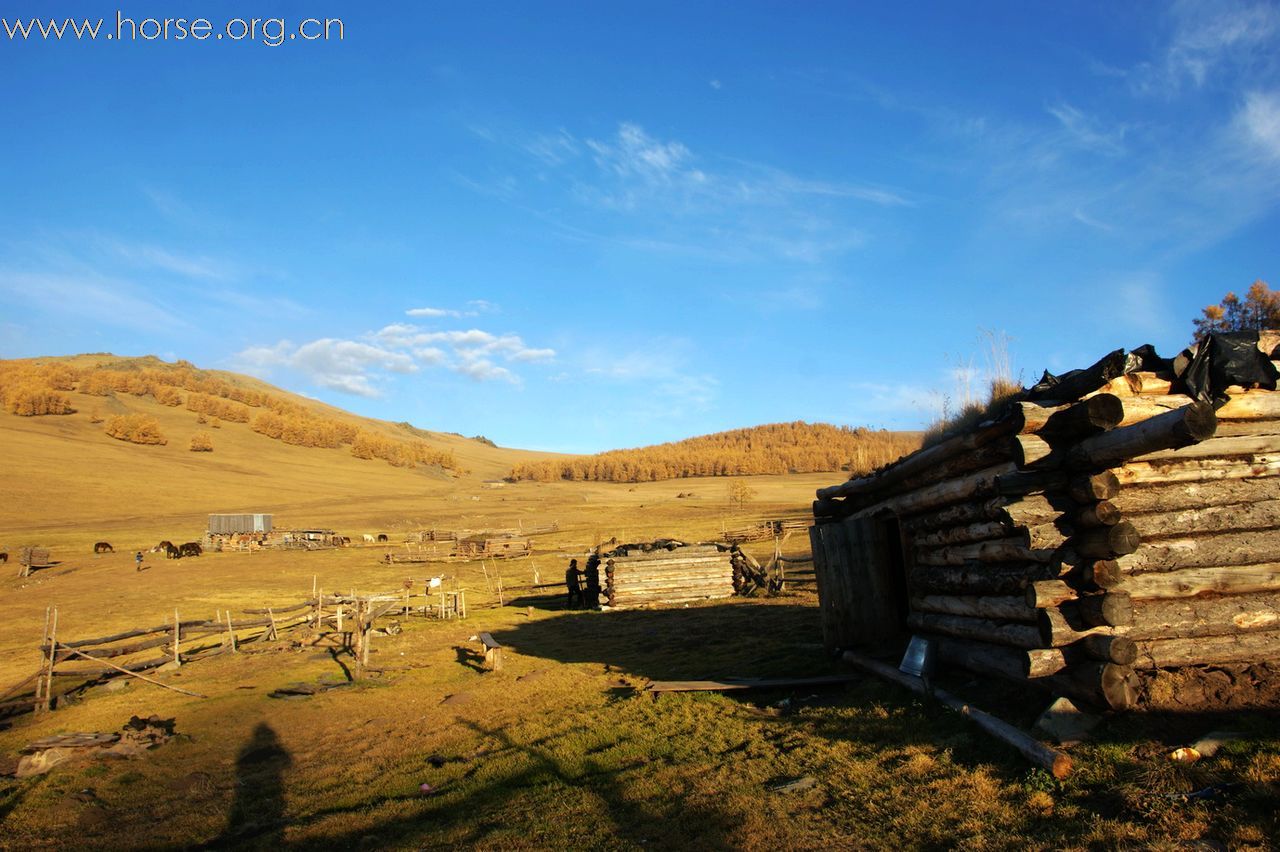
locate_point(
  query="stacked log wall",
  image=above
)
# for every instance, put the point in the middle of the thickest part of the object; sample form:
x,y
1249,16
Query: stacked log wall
x,y
682,575
1088,546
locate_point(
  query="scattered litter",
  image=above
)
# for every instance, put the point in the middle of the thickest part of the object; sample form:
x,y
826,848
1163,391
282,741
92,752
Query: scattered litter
x,y
1065,723
1184,755
794,785
426,789
137,736
1209,744
1213,791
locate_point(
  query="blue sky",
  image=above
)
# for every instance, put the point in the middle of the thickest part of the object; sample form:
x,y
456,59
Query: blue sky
x,y
584,226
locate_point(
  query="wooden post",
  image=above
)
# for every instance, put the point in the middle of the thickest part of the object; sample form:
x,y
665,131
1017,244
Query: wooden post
x,y
46,659
462,603
272,616
53,658
340,618
177,639
231,634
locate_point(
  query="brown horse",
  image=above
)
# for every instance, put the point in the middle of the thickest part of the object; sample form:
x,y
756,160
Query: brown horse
x,y
103,547
171,552
191,548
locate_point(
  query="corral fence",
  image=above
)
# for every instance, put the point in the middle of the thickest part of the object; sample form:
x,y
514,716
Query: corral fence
x,y
346,621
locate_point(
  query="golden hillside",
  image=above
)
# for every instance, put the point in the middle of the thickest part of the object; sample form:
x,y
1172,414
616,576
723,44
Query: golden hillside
x,y
270,449
775,448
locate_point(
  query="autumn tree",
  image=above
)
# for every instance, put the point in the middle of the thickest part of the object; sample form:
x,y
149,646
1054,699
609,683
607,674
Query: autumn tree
x,y
1259,309
740,494
201,442
135,428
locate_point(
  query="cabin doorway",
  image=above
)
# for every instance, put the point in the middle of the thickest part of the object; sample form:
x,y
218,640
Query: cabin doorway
x,y
862,583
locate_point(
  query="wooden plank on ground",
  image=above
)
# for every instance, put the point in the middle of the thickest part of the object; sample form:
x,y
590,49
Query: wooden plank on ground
x,y
748,683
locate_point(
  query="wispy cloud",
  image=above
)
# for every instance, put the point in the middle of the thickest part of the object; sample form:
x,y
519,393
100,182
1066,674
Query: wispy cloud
x,y
663,368
637,189
1087,132
90,297
1207,37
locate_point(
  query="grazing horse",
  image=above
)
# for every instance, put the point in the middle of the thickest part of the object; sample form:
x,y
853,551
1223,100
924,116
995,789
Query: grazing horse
x,y
103,547
346,540
171,552
382,537
162,547
191,548
368,539
4,556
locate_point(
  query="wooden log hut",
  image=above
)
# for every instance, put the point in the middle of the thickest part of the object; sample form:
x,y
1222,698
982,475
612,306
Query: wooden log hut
x,y
666,573
1112,535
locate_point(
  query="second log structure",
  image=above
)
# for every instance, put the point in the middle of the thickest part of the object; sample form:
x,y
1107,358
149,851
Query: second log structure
x,y
1105,535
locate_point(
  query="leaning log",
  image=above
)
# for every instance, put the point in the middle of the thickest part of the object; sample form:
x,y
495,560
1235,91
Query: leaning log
x,y
1057,763
1170,430
917,463
983,483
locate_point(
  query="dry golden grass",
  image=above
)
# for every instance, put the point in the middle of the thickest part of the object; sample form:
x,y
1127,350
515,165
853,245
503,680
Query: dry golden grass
x,y
558,750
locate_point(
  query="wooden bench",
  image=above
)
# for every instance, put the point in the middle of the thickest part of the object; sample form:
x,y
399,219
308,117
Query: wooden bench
x,y
492,652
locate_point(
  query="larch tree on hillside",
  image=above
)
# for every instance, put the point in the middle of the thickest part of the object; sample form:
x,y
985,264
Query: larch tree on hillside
x,y
1259,309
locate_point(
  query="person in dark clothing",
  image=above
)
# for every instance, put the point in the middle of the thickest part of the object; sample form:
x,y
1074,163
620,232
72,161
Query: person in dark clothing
x,y
137,559
592,593
573,580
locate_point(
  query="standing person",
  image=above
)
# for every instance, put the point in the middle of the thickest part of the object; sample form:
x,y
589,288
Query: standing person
x,y
573,580
137,559
593,582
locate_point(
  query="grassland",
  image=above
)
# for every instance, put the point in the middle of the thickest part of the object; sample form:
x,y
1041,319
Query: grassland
x,y
561,749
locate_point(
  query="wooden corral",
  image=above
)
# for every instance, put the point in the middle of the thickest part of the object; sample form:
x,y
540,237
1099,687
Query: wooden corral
x,y
764,530
1112,534
670,574
486,547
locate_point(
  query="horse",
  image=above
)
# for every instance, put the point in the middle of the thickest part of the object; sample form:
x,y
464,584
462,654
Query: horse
x,y
171,552
346,541
103,547
368,539
382,537
191,548
4,556
162,547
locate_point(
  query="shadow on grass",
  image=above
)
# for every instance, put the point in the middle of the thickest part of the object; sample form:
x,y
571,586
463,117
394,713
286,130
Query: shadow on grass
x,y
257,813
733,639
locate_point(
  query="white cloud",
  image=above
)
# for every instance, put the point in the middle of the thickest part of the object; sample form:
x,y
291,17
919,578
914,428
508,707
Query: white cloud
x,y
1260,120
360,367
475,308
342,365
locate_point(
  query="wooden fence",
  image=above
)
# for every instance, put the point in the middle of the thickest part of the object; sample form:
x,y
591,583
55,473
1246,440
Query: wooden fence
x,y
70,666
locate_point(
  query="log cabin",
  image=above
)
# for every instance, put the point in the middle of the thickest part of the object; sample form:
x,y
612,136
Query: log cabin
x,y
1111,535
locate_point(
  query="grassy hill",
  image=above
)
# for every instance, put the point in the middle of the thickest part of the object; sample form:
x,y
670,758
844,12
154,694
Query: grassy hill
x,y
63,471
